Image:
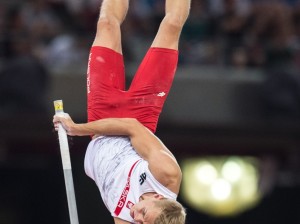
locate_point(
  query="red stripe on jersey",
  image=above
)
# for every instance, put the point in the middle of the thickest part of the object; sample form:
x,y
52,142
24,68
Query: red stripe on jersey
x,y
124,194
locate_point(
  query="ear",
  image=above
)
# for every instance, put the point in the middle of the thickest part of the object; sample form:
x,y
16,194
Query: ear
x,y
158,196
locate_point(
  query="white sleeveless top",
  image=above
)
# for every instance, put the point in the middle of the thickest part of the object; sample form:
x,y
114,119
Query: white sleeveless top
x,y
121,175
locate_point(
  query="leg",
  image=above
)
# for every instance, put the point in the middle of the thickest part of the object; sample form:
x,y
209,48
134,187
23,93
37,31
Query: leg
x,y
112,14
153,80
106,74
170,28
151,85
154,66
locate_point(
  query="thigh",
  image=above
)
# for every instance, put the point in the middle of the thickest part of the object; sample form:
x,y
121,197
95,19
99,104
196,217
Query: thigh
x,y
156,73
105,76
167,35
151,85
108,34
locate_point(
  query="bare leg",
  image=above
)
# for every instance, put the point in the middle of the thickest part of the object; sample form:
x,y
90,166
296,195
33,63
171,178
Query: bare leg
x,y
106,75
170,28
112,14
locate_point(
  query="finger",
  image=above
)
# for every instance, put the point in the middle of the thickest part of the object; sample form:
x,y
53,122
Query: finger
x,y
60,116
55,122
56,118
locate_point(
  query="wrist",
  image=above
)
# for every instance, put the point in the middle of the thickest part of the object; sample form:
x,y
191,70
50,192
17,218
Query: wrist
x,y
77,129
81,129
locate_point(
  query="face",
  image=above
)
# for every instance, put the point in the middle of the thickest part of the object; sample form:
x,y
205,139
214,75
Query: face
x,y
145,211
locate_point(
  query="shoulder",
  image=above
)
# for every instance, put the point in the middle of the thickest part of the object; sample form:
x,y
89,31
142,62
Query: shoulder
x,y
166,170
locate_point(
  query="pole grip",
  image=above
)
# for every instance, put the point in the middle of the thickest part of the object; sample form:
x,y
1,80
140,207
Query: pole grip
x,y
62,136
66,162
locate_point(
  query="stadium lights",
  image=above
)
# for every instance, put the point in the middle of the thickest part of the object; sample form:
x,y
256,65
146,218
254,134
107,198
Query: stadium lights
x,y
220,186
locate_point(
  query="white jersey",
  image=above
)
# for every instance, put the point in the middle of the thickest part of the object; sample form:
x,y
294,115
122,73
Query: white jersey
x,y
121,175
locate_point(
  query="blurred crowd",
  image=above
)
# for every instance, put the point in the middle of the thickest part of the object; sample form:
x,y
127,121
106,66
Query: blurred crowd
x,y
55,35
240,33
244,33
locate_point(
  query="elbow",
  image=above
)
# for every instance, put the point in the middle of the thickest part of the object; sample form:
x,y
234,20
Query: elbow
x,y
174,176
173,180
177,175
134,126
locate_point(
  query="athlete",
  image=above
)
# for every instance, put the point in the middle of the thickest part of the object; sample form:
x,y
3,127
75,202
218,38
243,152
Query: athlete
x,y
138,177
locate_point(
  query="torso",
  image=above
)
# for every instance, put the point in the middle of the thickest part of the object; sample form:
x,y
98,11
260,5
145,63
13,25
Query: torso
x,y
121,175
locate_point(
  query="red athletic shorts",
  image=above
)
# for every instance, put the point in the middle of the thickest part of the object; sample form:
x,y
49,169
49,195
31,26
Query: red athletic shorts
x,y
147,93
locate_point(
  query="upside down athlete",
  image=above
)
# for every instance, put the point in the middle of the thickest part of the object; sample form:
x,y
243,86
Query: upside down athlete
x,y
138,177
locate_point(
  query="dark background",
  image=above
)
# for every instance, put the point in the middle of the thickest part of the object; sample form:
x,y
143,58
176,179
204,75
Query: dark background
x,y
236,92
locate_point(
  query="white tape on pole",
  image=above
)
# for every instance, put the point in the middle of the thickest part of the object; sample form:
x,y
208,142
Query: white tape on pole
x,y
64,147
62,136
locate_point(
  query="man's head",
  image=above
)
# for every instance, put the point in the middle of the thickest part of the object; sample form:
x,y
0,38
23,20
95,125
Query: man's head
x,y
156,209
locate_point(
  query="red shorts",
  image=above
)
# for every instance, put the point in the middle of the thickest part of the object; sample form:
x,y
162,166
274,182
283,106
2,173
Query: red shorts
x,y
147,93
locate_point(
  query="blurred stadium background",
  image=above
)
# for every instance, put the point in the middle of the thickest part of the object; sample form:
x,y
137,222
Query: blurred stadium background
x,y
232,118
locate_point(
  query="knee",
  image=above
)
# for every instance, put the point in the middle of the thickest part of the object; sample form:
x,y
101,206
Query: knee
x,y
107,23
173,23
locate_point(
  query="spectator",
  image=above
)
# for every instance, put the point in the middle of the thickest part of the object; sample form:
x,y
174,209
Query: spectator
x,y
272,29
23,78
247,33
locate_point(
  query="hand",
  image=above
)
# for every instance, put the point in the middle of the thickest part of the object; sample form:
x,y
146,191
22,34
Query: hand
x,y
66,121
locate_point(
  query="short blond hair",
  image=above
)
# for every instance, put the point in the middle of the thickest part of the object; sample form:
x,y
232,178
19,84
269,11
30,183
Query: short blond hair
x,y
172,212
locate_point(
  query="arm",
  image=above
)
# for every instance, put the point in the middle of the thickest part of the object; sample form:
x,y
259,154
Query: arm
x,y
109,126
162,163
